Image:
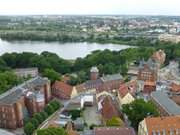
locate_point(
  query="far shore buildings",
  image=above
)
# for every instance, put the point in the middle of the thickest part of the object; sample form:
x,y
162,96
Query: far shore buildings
x,y
160,126
169,38
22,101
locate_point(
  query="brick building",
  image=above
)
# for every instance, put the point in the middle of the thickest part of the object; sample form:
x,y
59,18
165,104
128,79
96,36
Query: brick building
x,y
106,83
147,71
166,106
22,101
63,91
160,126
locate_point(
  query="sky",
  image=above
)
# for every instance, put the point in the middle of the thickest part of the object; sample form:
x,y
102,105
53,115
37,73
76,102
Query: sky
x,y
90,7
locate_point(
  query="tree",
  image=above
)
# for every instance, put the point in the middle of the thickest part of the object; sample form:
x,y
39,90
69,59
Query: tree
x,y
49,109
114,122
7,80
39,117
51,74
35,122
138,110
75,114
55,104
44,115
51,131
29,128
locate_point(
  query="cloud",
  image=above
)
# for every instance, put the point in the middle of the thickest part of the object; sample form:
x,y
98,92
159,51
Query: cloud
x,y
164,7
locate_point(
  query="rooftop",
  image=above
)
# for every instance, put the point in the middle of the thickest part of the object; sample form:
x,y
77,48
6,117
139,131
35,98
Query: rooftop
x,y
163,124
63,87
109,109
111,77
166,103
12,95
114,131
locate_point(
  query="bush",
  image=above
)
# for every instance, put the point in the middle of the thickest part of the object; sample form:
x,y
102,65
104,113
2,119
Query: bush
x,y
55,104
114,122
44,115
35,122
49,109
52,131
39,117
75,114
29,128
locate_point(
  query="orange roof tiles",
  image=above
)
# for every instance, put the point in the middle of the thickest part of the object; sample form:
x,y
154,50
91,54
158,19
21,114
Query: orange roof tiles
x,y
108,108
130,87
114,131
63,87
163,124
150,83
175,87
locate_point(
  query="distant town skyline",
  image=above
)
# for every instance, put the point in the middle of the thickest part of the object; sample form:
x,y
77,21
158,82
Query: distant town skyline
x,y
90,7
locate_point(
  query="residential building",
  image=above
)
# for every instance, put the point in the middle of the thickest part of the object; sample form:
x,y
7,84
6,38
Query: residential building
x,y
114,131
175,88
63,90
166,106
149,86
25,72
127,91
23,100
105,83
87,100
147,71
160,126
108,109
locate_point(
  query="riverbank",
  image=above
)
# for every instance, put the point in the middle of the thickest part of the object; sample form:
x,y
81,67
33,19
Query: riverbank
x,y
69,37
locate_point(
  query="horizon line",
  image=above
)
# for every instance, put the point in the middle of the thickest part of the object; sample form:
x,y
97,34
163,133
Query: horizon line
x,y
170,15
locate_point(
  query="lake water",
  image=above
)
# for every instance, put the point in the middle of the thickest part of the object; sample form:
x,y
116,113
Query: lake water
x,y
64,50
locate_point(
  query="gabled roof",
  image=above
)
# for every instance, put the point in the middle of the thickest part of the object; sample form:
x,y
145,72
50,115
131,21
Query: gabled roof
x,y
114,131
129,87
175,87
166,103
63,87
164,125
109,110
111,77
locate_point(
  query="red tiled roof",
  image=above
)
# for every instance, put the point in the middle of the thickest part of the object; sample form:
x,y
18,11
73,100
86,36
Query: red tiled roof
x,y
176,99
63,87
130,87
114,131
150,83
163,124
175,87
108,108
